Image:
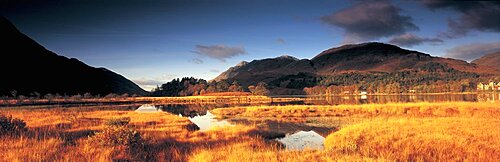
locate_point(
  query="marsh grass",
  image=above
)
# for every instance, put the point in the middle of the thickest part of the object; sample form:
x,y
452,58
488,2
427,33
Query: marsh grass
x,y
450,131
424,139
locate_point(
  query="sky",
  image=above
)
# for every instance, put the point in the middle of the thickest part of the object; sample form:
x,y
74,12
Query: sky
x,y
151,42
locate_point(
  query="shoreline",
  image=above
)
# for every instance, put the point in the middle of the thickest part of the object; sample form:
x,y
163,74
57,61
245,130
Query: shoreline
x,y
248,99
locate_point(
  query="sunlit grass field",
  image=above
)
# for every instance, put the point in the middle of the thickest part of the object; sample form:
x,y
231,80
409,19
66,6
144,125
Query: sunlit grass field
x,y
447,131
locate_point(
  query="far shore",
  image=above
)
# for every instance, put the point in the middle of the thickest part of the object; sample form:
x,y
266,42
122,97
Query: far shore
x,y
205,99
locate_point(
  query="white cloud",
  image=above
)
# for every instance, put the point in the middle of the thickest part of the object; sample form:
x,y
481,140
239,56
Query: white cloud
x,y
220,52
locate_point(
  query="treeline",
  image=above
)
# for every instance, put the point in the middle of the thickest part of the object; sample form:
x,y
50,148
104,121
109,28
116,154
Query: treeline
x,y
189,86
397,82
430,78
395,87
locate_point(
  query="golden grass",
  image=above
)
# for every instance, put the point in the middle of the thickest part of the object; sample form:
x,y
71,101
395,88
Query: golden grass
x,y
26,149
61,134
429,139
452,131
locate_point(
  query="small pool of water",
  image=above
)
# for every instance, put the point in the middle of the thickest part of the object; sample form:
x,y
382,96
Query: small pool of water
x,y
303,140
297,141
208,121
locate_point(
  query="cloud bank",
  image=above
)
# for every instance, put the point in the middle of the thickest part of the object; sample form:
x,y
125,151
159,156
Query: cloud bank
x,y
220,52
370,20
474,16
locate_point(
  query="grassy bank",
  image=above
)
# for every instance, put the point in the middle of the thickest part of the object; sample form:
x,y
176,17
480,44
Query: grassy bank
x,y
453,131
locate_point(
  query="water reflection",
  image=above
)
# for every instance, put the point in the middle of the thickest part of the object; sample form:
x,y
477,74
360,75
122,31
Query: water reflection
x,y
192,110
208,121
148,108
187,110
365,99
303,140
198,114
488,97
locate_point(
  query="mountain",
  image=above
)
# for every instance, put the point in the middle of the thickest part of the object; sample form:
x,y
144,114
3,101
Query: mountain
x,y
265,70
362,58
381,57
491,60
28,67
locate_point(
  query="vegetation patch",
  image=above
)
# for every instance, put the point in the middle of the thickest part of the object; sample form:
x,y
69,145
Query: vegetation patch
x,y
117,133
117,122
10,125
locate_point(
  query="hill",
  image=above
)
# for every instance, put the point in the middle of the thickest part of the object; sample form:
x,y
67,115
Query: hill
x,y
367,64
361,58
491,60
28,67
265,70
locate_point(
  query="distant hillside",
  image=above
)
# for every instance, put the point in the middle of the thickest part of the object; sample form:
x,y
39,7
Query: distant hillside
x,y
380,57
265,70
372,64
28,67
362,58
491,60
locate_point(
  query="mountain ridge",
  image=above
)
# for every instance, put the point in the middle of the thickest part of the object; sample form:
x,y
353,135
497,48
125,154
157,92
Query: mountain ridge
x,y
361,58
30,68
491,60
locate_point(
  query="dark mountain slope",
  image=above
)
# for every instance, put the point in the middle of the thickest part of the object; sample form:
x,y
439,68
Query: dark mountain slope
x,y
28,67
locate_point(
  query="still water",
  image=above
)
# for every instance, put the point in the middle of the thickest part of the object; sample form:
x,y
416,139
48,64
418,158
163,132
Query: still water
x,y
208,121
366,99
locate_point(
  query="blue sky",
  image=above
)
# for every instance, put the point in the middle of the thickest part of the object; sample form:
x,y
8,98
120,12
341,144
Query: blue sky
x,y
151,42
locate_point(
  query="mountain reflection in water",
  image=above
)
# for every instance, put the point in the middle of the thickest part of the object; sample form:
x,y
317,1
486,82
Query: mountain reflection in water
x,y
303,140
